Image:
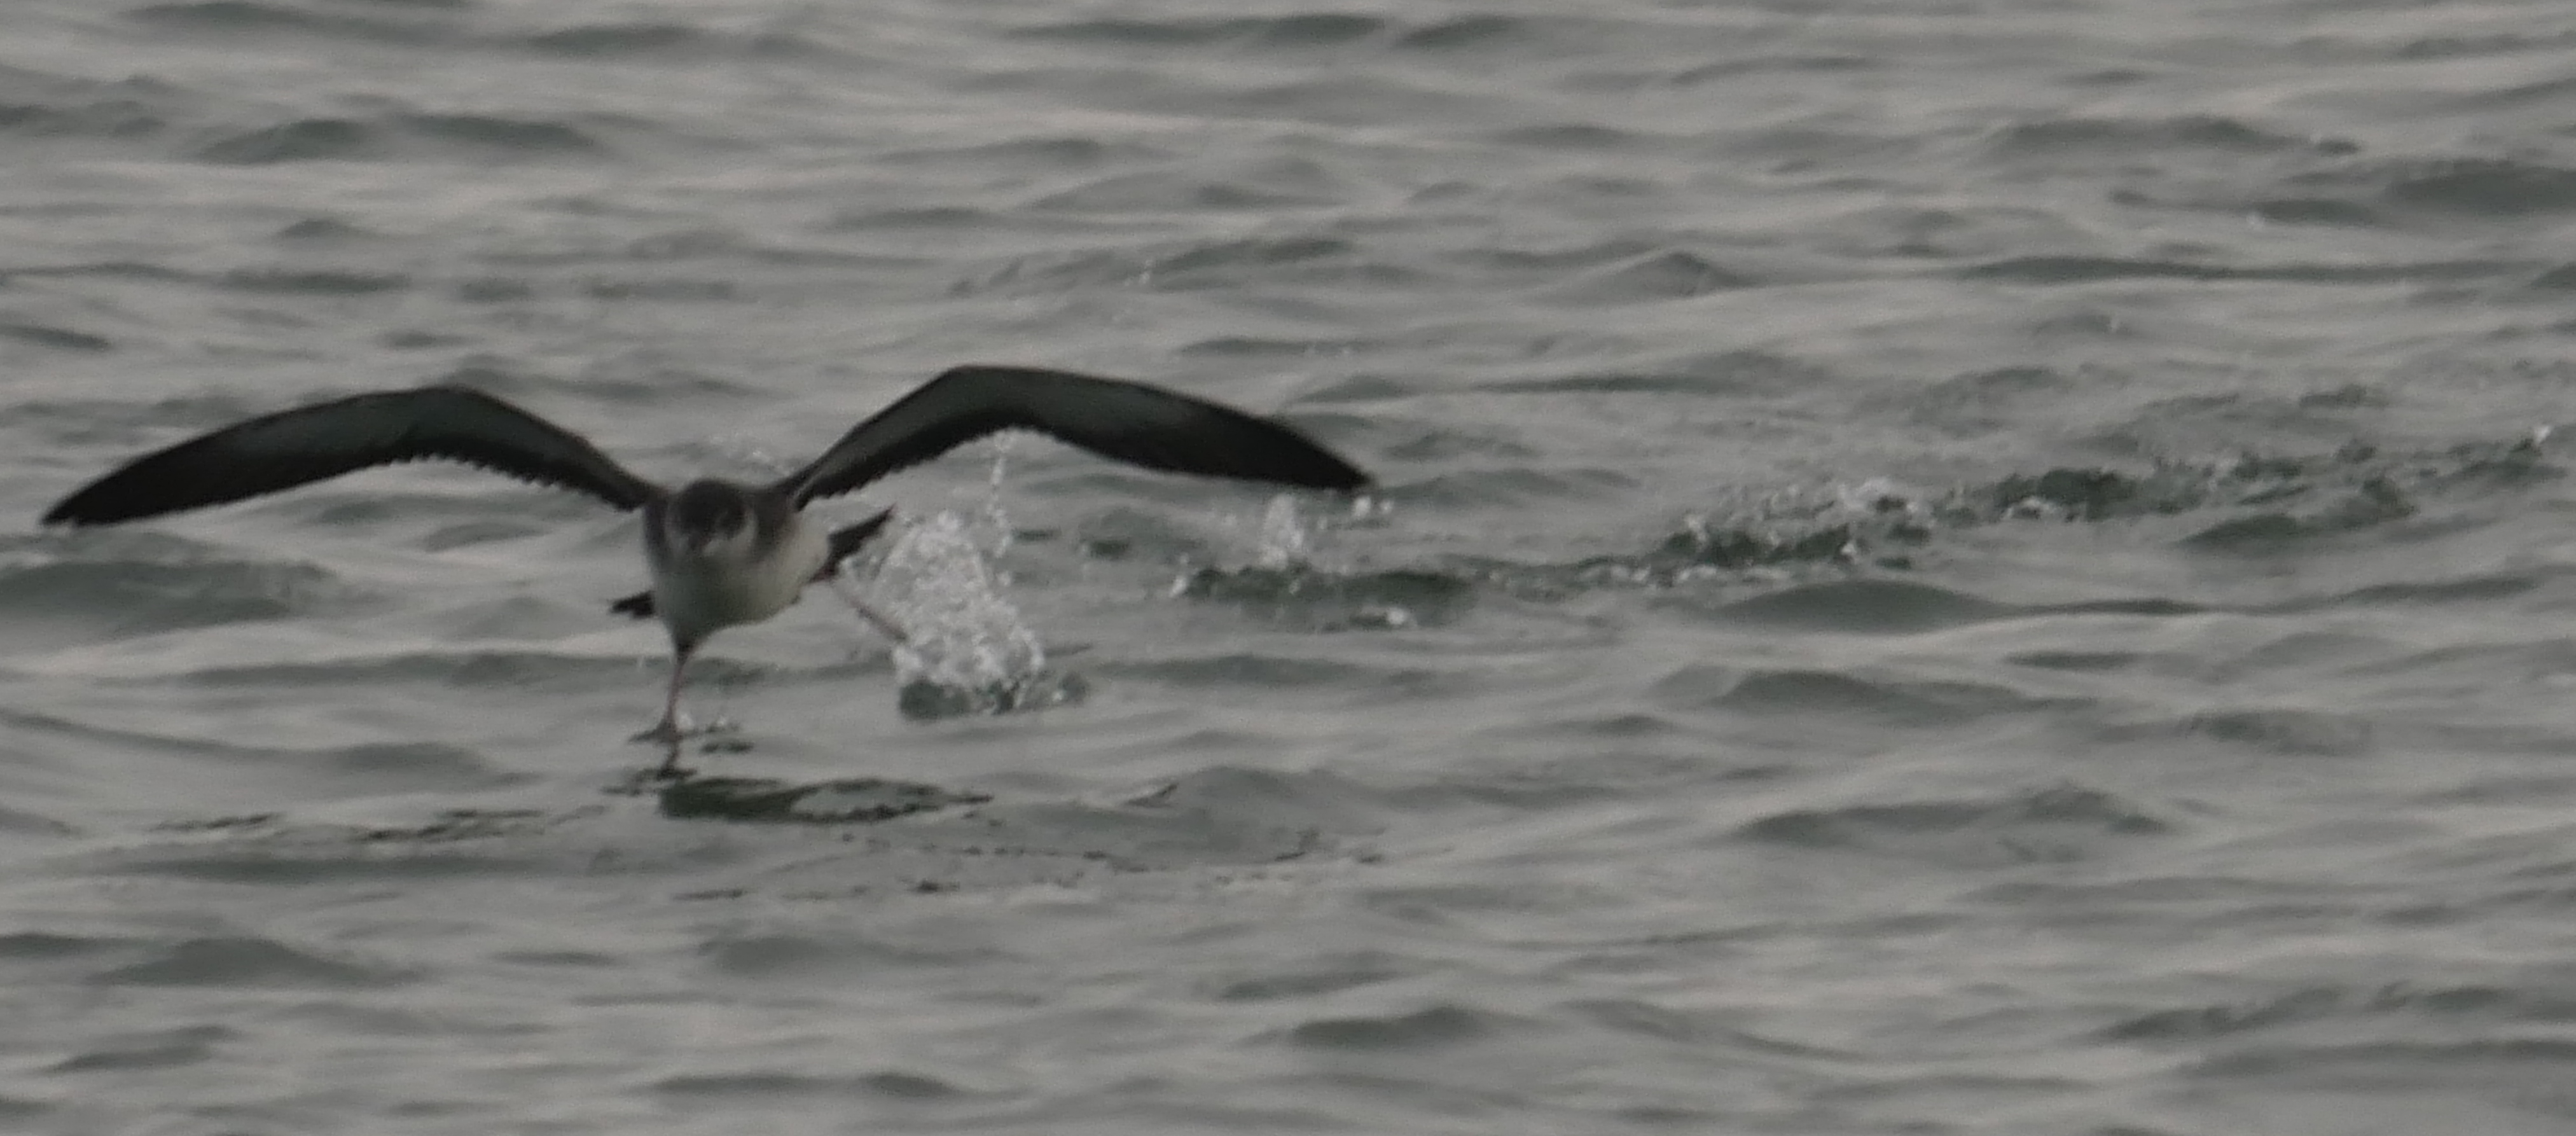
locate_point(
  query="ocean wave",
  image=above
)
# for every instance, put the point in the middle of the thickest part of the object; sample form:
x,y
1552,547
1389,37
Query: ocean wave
x,y
406,136
2056,824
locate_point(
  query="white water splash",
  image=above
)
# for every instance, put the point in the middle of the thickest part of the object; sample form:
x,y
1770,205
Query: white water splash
x,y
1285,536
994,516
966,648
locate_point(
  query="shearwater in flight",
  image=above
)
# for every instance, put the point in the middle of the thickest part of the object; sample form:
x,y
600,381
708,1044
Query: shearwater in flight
x,y
719,553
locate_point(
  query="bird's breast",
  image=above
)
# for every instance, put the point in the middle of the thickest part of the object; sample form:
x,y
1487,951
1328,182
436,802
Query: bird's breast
x,y
732,580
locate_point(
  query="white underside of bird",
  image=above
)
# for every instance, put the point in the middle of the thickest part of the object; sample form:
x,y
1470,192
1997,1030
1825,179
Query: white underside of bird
x,y
729,581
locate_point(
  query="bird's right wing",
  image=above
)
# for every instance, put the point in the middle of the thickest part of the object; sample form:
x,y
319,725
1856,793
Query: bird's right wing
x,y
311,443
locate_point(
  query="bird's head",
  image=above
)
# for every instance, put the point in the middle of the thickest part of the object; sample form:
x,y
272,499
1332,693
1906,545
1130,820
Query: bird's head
x,y
707,518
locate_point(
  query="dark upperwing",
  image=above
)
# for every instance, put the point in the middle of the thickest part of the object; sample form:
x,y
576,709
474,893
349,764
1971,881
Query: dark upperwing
x,y
1124,421
311,443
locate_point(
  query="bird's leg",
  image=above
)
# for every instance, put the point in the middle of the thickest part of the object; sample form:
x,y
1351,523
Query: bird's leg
x,y
670,769
884,625
831,574
667,732
668,729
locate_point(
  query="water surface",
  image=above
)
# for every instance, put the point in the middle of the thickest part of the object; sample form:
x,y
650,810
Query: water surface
x,y
1982,568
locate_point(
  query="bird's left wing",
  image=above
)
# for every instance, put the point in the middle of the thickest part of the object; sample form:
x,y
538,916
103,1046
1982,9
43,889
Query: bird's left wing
x,y
1125,421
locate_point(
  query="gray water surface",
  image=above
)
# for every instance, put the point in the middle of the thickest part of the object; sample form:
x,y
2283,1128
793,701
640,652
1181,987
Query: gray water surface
x,y
1940,568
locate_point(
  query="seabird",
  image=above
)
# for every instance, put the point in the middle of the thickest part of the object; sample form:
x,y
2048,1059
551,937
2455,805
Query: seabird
x,y
720,553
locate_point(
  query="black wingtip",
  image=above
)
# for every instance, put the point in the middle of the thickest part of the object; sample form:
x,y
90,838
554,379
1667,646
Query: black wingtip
x,y
99,503
1344,477
638,606
1303,462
